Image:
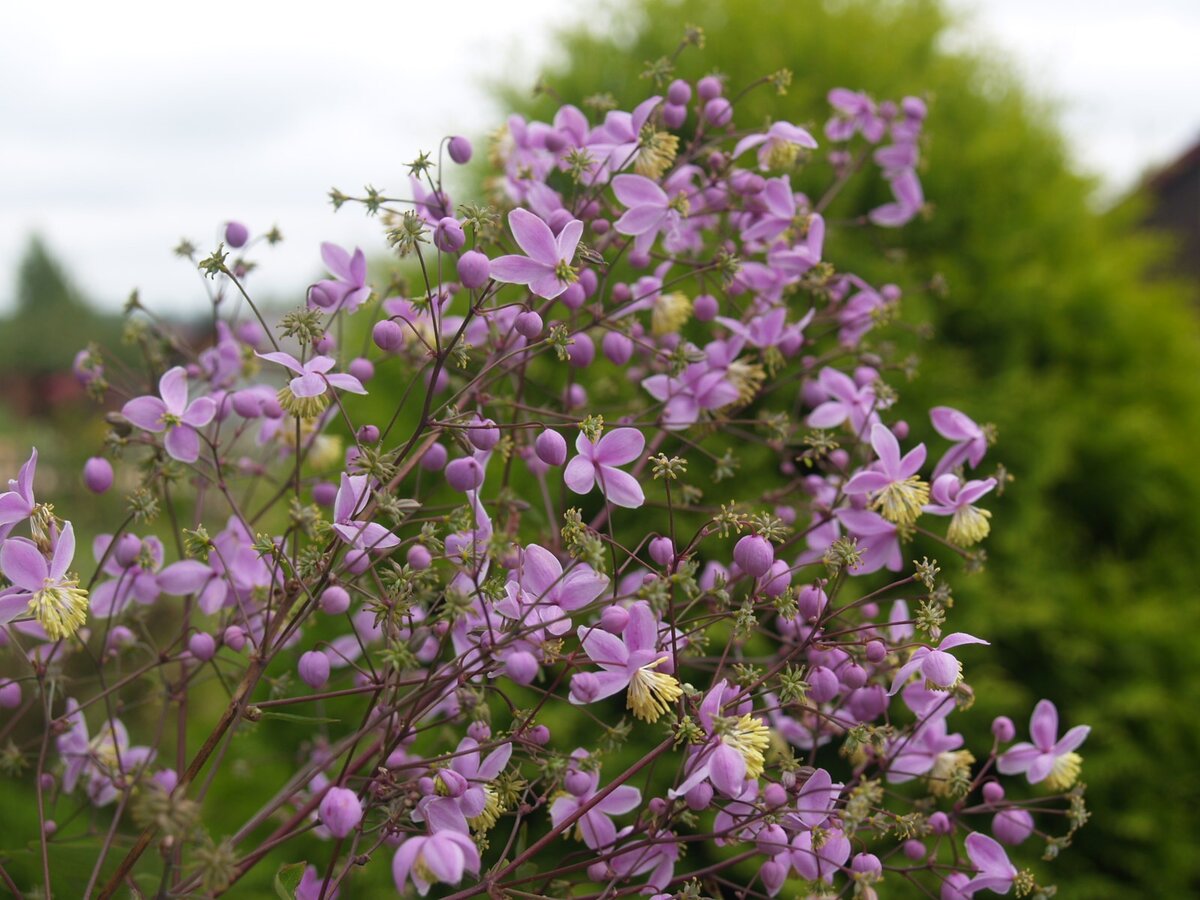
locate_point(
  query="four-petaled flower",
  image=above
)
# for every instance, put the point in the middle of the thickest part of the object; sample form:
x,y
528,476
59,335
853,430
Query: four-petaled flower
x,y
304,396
45,588
596,464
898,493
172,413
347,290
1048,758
940,668
546,268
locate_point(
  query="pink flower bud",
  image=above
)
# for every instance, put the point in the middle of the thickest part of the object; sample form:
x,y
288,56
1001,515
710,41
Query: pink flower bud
x,y
582,351
810,602
718,112
98,474
448,235
705,307
823,684
361,368
774,875
573,297
236,234
551,447
777,580
876,652
775,795
434,459
754,555
340,811
521,666
1012,826
940,823
617,347
657,806
866,863
473,268
484,435
699,797
584,687
993,792
577,783
10,694
367,434
662,550
314,668
325,343
324,493
614,619
575,397
127,549
464,474
335,600
914,850
674,115
459,149
679,92
853,676
419,557
540,735
234,638
388,335
1004,729
202,646
709,87
771,840
479,731
529,324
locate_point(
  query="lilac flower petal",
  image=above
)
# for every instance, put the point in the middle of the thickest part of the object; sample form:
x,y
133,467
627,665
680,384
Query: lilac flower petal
x,y
515,269
580,475
64,552
727,770
603,648
1072,740
597,830
641,631
548,286
145,412
184,577
638,190
173,389
14,508
867,482
200,412
346,382
568,240
887,448
641,220
1041,767
23,564
623,799
1043,725
621,488
941,668
1017,759
958,639
358,267
337,260
540,570
621,446
183,443
310,385
13,602
283,359
533,236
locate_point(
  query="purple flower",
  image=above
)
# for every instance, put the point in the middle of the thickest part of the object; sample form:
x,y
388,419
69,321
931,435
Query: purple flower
x,y
778,146
846,402
1048,758
917,754
595,827
173,414
996,873
546,268
940,668
17,503
42,586
968,524
733,752
105,760
700,387
650,211
970,440
543,595
898,492
348,503
632,661
304,396
596,464
906,188
347,290
820,864
440,857
466,799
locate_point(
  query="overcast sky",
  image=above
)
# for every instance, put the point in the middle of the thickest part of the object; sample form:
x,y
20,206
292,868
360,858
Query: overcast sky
x,y
127,125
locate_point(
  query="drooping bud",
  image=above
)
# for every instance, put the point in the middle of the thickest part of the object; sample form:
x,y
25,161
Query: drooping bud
x,y
202,646
335,600
459,149
754,555
473,269
98,474
236,234
551,447
464,474
314,668
340,811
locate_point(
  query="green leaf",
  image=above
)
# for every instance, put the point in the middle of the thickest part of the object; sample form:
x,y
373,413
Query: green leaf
x,y
287,880
294,717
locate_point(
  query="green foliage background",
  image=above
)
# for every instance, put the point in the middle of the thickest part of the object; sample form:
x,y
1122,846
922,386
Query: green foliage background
x,y
1053,329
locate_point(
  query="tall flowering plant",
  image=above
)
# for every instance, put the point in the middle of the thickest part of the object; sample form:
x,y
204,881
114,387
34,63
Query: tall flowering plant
x,y
608,577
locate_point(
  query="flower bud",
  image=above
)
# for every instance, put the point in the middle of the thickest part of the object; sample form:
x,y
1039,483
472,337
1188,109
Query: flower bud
x,y
236,234
823,684
853,676
434,459
340,811
1012,826
325,343
573,297
679,92
617,347
98,474
810,602
127,549
473,268
335,600
484,435
657,806
419,557
777,580
450,783
540,735
577,783
705,307
582,351
718,112
10,694
575,396
709,87
464,474
234,638
479,731
867,864
521,666
202,646
914,850
993,792
584,687
361,368
324,493
529,324
771,840
754,555
1003,729
388,335
940,823
775,795
876,652
459,149
314,668
551,447
662,550
773,875
448,235
367,434
699,796
674,115
614,619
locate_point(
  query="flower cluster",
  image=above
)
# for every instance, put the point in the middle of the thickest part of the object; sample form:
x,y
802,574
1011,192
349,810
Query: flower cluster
x,y
689,658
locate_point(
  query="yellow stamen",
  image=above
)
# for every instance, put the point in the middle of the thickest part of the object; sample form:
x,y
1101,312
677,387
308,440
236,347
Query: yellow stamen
x,y
947,768
652,693
60,607
901,501
670,313
747,377
302,407
968,526
781,154
492,810
655,153
1065,772
750,737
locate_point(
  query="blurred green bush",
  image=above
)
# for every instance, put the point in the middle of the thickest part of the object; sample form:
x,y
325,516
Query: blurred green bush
x,y
1053,329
